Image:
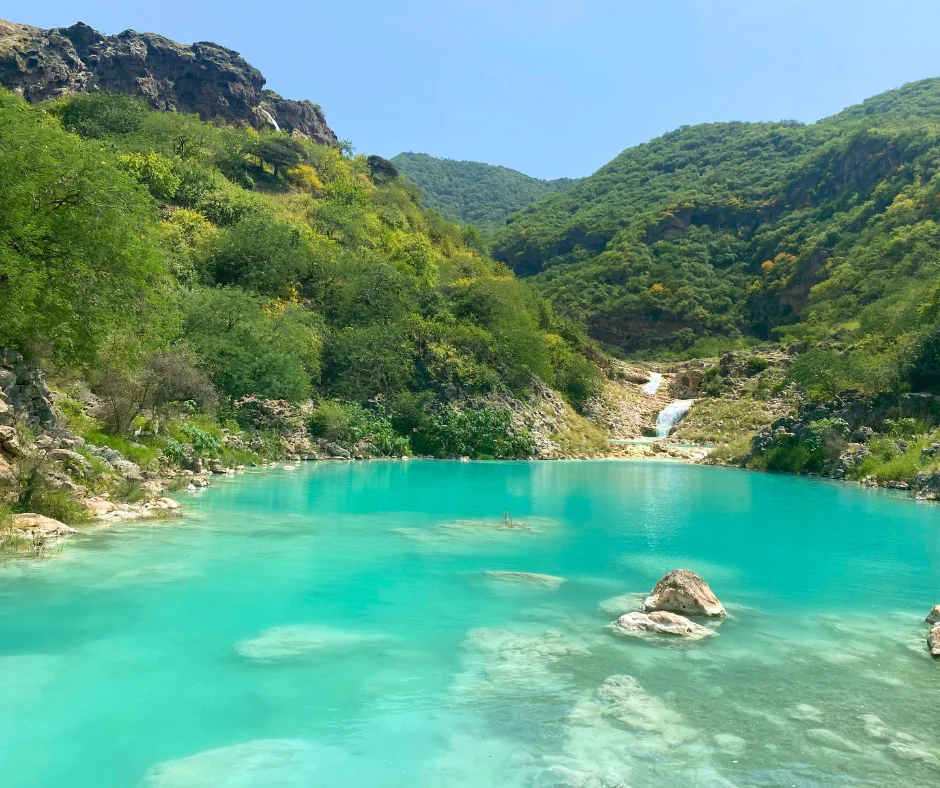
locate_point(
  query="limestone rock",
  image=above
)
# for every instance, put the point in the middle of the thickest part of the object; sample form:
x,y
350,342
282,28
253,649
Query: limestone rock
x,y
203,78
527,578
803,712
9,442
933,641
831,740
36,525
933,617
128,469
660,622
682,591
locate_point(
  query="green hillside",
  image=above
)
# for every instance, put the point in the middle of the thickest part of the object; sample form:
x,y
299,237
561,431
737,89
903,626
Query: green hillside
x,y
473,193
737,230
220,262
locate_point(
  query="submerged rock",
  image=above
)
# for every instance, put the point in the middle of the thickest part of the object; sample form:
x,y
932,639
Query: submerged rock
x,y
618,605
682,591
659,622
830,740
933,617
527,578
933,641
731,744
299,640
803,712
285,763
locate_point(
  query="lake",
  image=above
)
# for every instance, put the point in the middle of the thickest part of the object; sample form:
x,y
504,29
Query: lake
x,y
346,624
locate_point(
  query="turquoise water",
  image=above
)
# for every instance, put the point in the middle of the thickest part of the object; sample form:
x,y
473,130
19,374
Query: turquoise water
x,y
335,626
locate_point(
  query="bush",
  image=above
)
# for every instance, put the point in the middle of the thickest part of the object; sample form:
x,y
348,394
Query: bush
x,y
349,423
481,433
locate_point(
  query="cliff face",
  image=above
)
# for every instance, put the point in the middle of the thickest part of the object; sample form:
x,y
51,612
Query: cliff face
x,y
203,78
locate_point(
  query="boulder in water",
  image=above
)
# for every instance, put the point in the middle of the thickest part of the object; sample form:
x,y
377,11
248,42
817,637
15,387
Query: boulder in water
x,y
660,622
933,641
933,617
684,592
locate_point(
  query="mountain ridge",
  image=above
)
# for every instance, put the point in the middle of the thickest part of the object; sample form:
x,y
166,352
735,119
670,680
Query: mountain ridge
x,y
471,192
731,229
203,78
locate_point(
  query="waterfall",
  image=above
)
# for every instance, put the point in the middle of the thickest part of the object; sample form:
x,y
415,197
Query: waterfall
x,y
653,386
671,415
270,117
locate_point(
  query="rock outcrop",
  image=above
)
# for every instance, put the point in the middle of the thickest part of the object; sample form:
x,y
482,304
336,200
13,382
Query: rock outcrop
x,y
684,592
660,622
933,641
35,526
24,398
203,78
933,617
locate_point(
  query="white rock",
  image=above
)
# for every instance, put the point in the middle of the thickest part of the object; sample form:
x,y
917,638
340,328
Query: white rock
x,y
732,744
33,525
265,763
830,740
803,712
527,578
660,623
301,639
684,592
933,617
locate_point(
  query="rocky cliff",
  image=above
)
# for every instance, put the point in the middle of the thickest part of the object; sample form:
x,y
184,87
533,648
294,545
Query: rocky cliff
x,y
203,78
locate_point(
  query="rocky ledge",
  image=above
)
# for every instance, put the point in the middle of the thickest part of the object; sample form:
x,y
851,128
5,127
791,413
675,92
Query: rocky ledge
x,y
202,78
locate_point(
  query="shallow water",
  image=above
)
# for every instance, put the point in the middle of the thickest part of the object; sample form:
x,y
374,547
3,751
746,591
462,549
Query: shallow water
x,y
336,625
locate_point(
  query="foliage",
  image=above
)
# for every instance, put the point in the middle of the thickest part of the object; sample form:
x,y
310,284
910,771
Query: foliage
x,y
825,232
165,259
204,443
72,224
473,193
349,423
482,433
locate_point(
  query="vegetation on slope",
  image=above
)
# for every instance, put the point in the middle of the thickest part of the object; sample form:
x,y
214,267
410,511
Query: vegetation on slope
x,y
821,233
472,193
180,260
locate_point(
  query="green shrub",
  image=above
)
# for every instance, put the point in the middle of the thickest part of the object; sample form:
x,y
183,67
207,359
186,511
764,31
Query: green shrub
x,y
480,433
129,491
204,443
349,423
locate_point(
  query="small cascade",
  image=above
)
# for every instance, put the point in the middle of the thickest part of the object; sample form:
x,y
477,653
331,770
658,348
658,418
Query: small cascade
x,y
653,385
270,117
671,415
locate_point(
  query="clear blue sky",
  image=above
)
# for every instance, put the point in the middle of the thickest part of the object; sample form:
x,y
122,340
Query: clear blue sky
x,y
548,87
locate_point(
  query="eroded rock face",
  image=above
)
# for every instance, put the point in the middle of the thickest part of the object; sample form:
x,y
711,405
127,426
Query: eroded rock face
x,y
203,78
660,622
684,592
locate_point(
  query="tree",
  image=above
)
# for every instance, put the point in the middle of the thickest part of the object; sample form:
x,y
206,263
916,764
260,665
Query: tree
x,y
250,346
78,256
261,254
280,151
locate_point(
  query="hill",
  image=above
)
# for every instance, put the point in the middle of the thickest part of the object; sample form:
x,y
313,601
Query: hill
x,y
145,251
718,233
473,193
